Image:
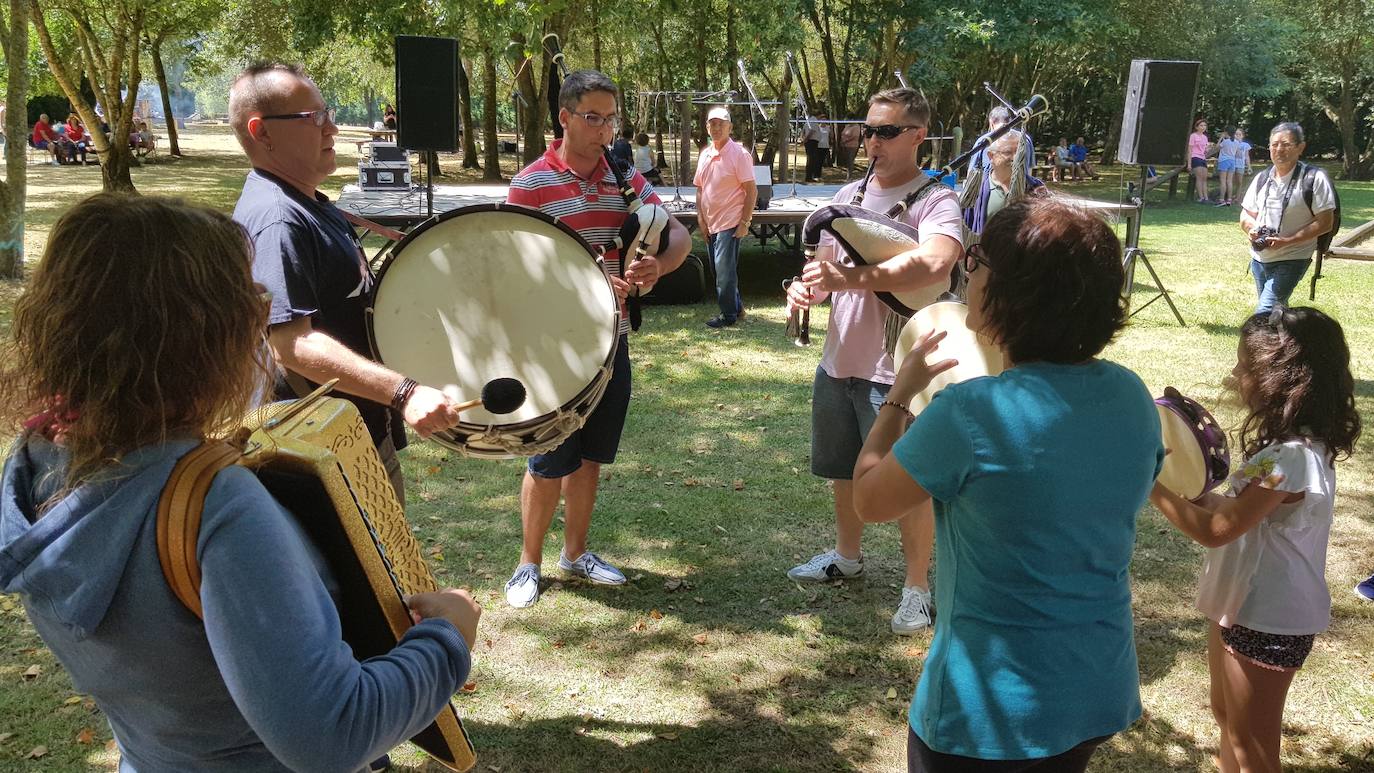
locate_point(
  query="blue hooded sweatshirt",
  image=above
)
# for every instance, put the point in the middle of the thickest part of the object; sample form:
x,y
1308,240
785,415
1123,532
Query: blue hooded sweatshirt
x,y
265,683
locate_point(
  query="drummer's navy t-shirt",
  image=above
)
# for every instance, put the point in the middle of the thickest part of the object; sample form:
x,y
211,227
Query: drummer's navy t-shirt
x,y
306,255
1038,476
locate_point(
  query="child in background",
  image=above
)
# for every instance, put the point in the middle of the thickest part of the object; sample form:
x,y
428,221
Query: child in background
x,y
1263,583
1242,156
1226,166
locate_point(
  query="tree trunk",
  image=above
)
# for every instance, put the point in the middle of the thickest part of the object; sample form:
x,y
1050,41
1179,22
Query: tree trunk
x,y
465,115
782,127
532,118
156,51
106,77
15,187
1113,139
490,139
596,36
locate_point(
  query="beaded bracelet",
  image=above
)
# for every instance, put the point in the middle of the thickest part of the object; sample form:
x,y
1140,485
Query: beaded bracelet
x,y
899,407
402,393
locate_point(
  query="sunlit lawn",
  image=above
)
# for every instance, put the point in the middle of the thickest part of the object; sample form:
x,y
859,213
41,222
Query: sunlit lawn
x,y
710,659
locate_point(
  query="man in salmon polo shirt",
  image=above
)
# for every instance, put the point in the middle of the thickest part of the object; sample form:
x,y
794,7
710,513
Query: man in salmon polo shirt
x,y
726,194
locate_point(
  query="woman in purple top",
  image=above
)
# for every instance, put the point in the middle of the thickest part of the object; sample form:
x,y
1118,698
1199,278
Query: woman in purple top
x,y
1197,158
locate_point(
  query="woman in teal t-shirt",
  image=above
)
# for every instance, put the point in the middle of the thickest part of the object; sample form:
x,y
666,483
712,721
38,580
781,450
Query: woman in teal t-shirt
x,y
1037,476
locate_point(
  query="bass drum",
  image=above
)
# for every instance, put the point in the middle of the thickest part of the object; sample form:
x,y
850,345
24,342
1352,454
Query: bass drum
x,y
499,290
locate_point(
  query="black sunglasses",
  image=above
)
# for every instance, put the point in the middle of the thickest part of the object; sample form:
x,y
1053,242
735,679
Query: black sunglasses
x,y
975,257
887,131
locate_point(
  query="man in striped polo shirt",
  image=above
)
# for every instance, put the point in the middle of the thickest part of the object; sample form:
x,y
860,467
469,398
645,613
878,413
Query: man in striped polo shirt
x,y
573,183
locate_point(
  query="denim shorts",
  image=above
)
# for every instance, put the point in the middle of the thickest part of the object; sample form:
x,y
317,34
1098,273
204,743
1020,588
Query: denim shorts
x,y
1197,162
598,439
1274,651
842,412
1226,165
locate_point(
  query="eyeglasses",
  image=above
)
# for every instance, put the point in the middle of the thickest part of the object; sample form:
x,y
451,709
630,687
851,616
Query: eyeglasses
x,y
317,117
887,131
975,257
1282,145
597,120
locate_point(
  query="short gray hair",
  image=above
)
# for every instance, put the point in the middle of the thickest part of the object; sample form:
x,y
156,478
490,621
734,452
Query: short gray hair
x,y
582,82
1292,127
999,116
259,89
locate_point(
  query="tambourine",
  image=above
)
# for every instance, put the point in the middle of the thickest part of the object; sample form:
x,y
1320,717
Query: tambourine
x,y
976,355
1198,459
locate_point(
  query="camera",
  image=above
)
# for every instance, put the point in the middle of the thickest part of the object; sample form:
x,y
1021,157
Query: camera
x,y
1261,240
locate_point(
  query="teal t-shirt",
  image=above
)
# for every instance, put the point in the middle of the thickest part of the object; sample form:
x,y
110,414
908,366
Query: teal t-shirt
x,y
1037,475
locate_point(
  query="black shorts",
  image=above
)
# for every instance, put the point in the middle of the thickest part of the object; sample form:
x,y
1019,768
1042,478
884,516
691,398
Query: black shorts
x,y
598,439
1197,162
1274,651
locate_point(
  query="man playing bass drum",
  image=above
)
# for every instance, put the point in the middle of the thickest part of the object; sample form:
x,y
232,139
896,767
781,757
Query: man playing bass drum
x,y
856,369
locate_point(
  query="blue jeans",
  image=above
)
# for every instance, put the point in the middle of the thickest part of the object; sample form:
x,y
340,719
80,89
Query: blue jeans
x,y
1274,282
725,256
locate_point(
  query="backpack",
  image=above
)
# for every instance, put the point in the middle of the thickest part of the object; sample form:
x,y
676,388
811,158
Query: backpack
x,y
1309,174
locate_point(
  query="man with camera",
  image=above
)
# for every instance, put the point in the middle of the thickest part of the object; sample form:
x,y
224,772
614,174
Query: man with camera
x,y
1286,209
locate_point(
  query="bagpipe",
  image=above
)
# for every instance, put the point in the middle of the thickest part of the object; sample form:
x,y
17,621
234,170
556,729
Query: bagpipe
x,y
870,238
645,230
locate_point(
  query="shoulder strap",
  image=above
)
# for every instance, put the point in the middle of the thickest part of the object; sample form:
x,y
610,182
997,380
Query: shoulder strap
x,y
1309,181
178,517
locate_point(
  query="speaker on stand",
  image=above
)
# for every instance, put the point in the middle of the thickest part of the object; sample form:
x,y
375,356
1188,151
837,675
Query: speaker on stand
x,y
1157,118
427,100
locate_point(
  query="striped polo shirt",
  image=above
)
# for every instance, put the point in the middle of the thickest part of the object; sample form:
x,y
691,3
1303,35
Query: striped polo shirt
x,y
592,206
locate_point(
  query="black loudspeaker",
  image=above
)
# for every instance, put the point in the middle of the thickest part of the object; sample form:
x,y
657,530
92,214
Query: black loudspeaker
x,y
1159,112
686,285
427,93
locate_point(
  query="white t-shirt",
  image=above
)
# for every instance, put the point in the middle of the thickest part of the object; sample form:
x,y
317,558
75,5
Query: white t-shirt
x,y
644,159
1240,151
1273,577
1266,204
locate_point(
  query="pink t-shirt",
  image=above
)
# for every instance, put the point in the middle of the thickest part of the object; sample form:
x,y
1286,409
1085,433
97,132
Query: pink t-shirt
x,y
720,179
1197,145
854,337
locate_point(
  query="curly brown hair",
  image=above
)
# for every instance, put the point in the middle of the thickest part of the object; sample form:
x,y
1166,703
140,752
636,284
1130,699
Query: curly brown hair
x,y
1053,290
141,322
1295,378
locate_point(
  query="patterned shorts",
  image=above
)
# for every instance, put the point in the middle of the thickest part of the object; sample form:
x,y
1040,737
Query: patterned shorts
x,y
1273,651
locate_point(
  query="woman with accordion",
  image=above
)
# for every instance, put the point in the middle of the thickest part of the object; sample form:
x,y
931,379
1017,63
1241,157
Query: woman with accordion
x,y
140,335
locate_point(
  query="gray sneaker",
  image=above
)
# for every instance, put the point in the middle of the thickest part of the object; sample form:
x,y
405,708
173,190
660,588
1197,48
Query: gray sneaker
x,y
593,568
913,614
826,566
523,588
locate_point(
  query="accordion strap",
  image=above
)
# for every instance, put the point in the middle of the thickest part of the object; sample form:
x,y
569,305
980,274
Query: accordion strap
x,y
178,517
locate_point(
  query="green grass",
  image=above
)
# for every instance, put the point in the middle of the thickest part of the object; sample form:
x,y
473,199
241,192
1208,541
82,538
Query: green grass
x,y
735,668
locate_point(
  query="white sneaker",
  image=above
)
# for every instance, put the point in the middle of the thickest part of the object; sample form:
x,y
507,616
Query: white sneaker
x,y
523,588
913,614
592,567
829,565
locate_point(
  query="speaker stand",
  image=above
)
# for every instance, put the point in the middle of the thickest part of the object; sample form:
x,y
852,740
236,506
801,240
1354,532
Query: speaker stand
x,y
1134,253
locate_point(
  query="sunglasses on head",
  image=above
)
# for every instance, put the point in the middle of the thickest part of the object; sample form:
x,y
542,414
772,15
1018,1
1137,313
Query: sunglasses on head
x,y
887,131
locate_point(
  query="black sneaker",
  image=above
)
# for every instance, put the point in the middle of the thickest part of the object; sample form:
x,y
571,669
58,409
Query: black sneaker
x,y
719,322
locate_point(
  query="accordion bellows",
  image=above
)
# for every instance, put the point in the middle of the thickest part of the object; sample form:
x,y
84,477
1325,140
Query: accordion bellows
x,y
317,459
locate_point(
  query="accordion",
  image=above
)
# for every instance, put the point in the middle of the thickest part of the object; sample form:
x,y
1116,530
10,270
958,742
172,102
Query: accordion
x,y
315,456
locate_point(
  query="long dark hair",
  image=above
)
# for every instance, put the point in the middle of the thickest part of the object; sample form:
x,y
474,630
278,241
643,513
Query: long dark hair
x,y
1296,380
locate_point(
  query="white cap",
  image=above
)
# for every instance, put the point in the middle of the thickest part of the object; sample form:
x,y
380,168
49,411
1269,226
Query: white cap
x,y
718,112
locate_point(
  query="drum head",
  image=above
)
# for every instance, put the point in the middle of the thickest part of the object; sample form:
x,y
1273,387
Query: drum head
x,y
1185,468
976,356
496,291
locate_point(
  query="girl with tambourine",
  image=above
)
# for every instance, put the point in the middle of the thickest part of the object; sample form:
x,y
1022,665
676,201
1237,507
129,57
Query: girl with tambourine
x,y
1263,584
1037,476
